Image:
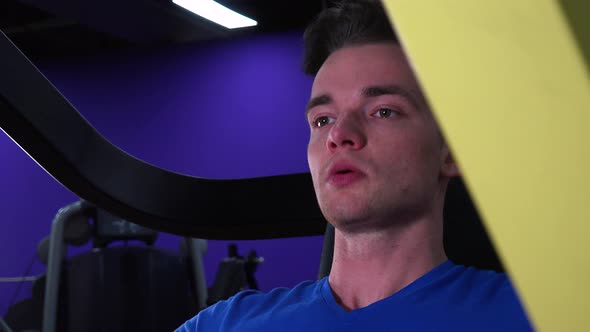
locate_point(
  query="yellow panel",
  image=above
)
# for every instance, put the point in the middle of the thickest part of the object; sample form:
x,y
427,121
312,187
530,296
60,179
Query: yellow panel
x,y
508,83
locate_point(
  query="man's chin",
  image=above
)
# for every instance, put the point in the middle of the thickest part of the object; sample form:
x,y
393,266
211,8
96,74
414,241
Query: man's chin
x,y
356,218
347,217
356,226
344,205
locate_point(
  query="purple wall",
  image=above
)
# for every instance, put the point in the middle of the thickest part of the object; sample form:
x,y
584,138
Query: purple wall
x,y
231,109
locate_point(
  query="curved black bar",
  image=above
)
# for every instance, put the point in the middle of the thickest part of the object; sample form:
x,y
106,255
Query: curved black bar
x,y
50,130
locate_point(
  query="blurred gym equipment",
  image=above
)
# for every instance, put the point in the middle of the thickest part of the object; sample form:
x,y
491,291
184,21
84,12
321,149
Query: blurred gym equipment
x,y
111,287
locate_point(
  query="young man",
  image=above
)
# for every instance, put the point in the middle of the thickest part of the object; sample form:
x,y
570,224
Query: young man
x,y
380,169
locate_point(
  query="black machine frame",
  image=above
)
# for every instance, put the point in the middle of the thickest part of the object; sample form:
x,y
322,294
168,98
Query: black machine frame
x,y
52,132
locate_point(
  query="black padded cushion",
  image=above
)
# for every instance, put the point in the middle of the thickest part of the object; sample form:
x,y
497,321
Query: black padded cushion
x,y
465,238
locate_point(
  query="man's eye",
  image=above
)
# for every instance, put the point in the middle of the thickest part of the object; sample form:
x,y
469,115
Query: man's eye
x,y
322,121
385,113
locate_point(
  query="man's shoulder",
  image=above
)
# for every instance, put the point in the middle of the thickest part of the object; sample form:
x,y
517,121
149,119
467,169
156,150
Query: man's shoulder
x,y
226,314
472,298
484,284
465,288
280,296
494,292
468,282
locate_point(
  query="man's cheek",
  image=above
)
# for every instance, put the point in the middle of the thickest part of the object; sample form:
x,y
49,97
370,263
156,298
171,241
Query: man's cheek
x,y
313,167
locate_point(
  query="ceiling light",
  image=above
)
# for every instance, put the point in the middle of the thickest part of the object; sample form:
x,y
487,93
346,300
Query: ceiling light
x,y
217,13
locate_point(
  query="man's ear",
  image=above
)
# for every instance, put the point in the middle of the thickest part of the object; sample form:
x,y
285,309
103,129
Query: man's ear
x,y
449,167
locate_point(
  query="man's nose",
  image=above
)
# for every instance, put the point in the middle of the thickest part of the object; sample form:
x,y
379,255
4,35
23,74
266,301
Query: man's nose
x,y
348,132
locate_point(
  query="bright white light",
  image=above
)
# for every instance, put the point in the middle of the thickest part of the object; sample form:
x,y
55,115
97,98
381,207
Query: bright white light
x,y
217,13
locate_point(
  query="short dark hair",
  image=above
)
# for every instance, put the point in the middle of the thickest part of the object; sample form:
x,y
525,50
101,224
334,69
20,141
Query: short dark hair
x,y
350,22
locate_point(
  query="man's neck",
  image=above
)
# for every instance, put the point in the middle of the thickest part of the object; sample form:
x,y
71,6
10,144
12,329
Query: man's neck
x,y
371,266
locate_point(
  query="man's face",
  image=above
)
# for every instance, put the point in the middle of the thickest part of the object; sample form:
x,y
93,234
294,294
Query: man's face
x,y
375,153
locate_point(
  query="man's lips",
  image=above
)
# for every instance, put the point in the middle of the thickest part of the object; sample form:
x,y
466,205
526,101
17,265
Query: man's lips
x,y
342,174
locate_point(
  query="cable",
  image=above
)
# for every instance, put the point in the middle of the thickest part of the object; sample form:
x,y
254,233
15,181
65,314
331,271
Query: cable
x,y
13,300
17,279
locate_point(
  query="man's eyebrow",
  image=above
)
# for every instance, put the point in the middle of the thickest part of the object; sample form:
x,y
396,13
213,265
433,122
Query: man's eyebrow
x,y
317,101
380,90
368,92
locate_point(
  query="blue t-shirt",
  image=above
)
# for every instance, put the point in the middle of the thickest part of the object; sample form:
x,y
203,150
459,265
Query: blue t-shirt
x,y
448,298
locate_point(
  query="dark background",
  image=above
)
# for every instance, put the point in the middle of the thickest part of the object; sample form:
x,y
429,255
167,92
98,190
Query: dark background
x,y
173,90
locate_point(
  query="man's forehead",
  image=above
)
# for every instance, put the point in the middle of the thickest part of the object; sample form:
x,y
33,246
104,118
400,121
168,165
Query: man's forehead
x,y
364,65
384,53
